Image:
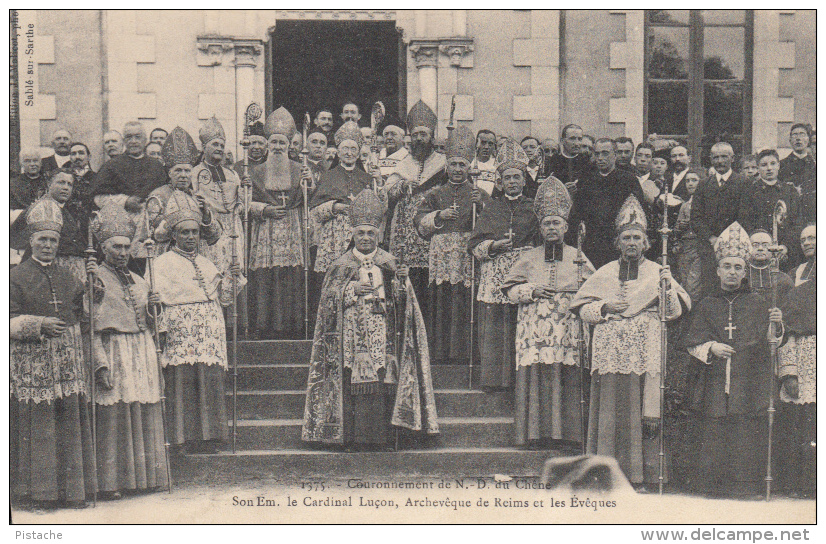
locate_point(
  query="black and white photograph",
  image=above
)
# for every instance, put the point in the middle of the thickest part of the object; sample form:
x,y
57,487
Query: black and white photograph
x,y
413,266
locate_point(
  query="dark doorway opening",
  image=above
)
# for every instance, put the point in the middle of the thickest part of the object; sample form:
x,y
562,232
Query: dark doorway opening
x,y
319,64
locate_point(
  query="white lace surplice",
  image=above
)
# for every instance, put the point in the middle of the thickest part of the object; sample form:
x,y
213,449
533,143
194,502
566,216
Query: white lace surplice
x,y
133,368
802,352
546,332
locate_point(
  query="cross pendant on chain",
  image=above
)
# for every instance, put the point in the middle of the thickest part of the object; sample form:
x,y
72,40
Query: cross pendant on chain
x,y
510,234
731,326
454,206
55,302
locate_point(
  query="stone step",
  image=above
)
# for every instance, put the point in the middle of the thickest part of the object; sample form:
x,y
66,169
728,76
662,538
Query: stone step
x,y
287,465
289,404
274,352
455,432
293,376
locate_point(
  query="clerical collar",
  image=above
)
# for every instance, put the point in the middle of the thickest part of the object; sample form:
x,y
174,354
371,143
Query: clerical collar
x,y
608,173
191,256
770,183
455,184
744,287
553,251
41,263
562,152
349,168
362,257
139,157
628,270
800,156
122,273
512,198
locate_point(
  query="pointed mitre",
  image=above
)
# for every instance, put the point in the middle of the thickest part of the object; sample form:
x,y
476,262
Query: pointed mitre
x,y
113,220
179,148
511,155
211,130
552,198
44,214
461,143
366,209
421,116
733,242
280,122
180,207
631,216
349,131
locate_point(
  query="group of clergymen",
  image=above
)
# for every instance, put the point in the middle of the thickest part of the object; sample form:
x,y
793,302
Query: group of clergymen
x,y
551,262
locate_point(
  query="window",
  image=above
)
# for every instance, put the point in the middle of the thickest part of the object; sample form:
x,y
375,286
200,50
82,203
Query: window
x,y
698,78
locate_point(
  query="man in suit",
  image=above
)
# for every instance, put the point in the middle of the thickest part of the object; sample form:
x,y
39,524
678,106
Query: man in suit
x,y
61,141
714,207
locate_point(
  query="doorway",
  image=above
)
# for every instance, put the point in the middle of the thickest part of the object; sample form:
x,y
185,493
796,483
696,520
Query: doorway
x,y
322,64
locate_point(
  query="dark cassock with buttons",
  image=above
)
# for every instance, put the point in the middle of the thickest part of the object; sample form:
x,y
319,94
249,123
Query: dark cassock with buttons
x,y
370,366
802,173
597,202
449,261
50,427
505,217
732,394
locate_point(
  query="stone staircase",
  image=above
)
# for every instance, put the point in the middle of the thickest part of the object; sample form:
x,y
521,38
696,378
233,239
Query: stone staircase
x,y
475,440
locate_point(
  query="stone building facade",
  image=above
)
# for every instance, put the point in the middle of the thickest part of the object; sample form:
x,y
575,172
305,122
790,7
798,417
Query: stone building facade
x,y
517,71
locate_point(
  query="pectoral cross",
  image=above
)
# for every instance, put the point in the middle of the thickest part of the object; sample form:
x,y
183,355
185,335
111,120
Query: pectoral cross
x,y
454,206
55,302
510,234
731,328
284,199
351,196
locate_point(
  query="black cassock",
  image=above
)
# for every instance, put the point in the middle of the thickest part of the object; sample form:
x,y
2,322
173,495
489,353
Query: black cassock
x,y
733,429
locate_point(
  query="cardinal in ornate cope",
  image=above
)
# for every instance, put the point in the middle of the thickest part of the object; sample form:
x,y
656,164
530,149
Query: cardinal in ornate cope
x,y
728,333
50,428
505,229
621,301
542,282
370,364
276,251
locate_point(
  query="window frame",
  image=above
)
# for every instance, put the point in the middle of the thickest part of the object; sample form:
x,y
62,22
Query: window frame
x,y
696,80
